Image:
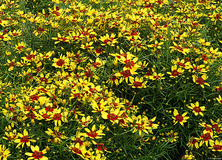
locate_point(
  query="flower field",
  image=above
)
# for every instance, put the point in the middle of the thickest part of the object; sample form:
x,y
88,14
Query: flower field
x,y
110,79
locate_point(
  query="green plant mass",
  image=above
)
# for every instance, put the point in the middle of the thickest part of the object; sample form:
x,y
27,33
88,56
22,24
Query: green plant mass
x,y
110,79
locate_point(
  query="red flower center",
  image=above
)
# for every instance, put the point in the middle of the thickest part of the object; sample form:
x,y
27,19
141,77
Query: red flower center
x,y
24,139
217,147
20,47
37,155
206,136
112,116
45,116
175,73
60,62
129,64
197,109
200,80
193,141
126,73
57,116
92,134
179,118
137,84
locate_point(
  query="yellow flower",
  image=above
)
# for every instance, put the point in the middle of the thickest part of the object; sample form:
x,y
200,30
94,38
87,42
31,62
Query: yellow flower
x,y
179,118
137,82
62,61
172,136
193,142
219,99
24,139
59,116
20,46
200,80
56,134
4,153
93,133
156,76
144,124
196,109
175,71
179,48
60,39
217,146
108,40
36,153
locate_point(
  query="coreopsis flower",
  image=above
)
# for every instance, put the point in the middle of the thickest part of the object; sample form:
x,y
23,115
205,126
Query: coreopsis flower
x,y
4,152
11,136
113,80
85,121
20,46
143,124
188,156
217,146
156,45
208,128
58,116
60,39
78,149
179,118
4,37
215,17
44,114
100,106
61,62
137,82
197,109
219,99
56,135
113,115
108,40
198,69
179,48
100,147
126,74
217,127
193,142
11,64
93,133
15,33
172,136
44,78
137,44
200,80
175,72
87,46
24,139
181,63
99,51
207,138
36,153
129,61
98,63
202,42
156,76
40,31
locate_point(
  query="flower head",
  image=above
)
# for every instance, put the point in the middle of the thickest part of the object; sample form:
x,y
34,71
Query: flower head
x,y
179,118
36,153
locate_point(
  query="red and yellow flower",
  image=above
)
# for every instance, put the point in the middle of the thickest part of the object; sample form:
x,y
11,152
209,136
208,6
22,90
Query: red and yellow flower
x,y
179,118
200,80
175,72
197,110
24,139
36,153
